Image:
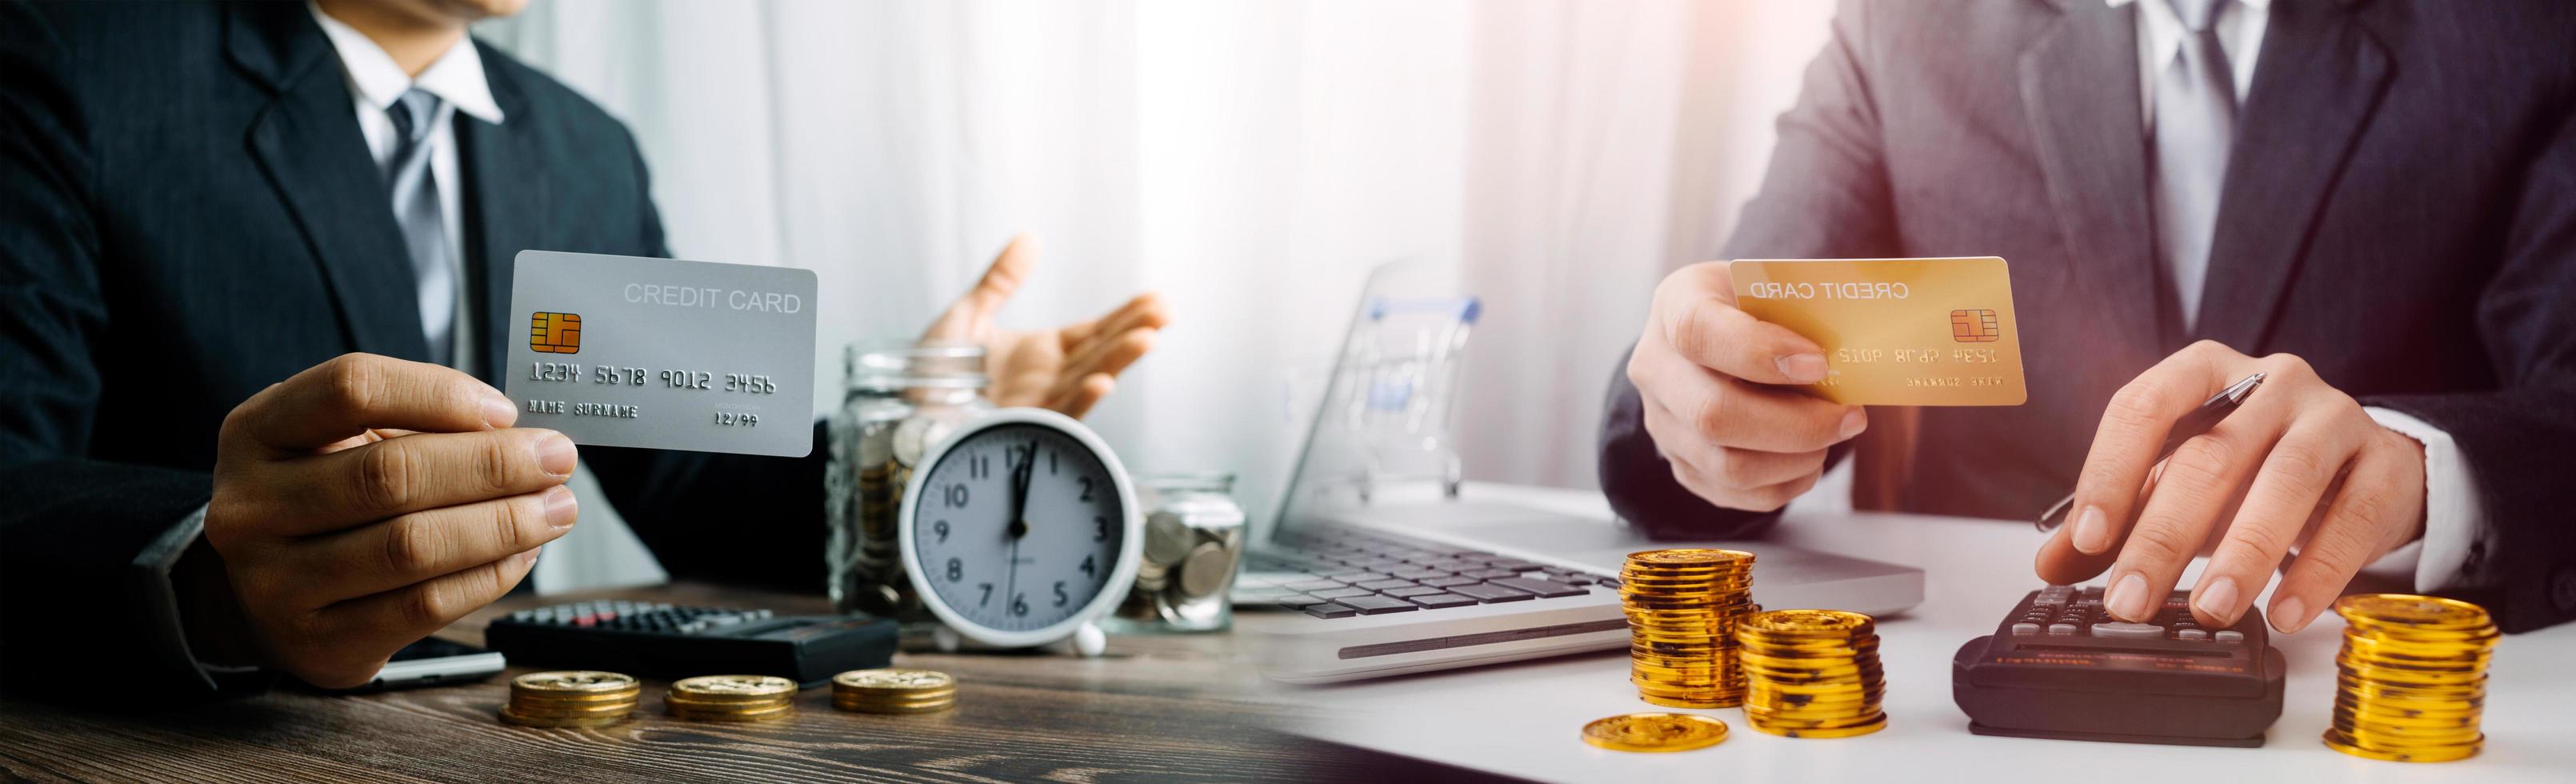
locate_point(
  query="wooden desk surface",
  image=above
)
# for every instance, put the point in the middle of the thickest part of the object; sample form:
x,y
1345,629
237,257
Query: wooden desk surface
x,y
1166,706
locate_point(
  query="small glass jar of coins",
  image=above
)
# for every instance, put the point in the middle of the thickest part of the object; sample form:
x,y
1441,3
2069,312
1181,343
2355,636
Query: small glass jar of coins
x,y
1194,538
900,400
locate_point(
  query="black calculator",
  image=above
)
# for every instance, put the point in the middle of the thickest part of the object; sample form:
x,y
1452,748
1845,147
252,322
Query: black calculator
x,y
2058,666
679,641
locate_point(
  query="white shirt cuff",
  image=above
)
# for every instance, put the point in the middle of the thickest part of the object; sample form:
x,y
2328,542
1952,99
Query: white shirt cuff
x,y
162,598
2454,517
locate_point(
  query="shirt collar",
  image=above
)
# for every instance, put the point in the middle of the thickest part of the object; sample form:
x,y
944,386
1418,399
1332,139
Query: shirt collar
x,y
456,77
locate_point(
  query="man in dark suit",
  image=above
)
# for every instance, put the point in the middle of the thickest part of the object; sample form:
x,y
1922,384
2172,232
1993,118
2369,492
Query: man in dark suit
x,y
2380,212
244,251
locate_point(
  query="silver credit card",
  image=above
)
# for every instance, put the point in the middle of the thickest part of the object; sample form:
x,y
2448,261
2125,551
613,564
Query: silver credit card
x,y
663,354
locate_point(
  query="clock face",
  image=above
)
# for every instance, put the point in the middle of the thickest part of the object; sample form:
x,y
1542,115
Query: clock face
x,y
1017,527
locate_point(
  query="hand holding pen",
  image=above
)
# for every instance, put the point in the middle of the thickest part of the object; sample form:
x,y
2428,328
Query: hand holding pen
x,y
2246,477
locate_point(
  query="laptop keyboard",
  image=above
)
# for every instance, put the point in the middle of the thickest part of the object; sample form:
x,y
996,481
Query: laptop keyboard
x,y
1353,572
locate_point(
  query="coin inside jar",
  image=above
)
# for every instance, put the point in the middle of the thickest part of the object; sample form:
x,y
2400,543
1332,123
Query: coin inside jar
x,y
1207,570
1167,539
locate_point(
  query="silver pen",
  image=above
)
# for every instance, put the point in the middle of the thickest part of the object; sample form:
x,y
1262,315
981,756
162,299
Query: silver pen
x,y
2199,421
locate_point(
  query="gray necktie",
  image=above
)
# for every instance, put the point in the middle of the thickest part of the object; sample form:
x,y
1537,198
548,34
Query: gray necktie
x,y
415,198
2195,123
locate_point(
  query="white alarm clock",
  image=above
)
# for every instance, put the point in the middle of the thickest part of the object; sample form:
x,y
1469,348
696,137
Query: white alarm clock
x,y
1020,529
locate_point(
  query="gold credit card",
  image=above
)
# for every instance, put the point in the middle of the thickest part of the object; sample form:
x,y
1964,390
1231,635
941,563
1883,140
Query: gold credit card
x,y
1896,332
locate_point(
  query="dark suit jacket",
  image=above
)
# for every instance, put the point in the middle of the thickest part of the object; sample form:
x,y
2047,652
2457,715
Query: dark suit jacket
x,y
2399,210
189,214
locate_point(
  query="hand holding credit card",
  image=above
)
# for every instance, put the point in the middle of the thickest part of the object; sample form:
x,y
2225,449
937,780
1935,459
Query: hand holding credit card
x,y
662,353
1902,332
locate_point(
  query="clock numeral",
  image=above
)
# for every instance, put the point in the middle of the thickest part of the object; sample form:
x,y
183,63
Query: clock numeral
x,y
987,601
1060,596
1099,528
1086,489
955,495
1088,569
1050,462
940,528
979,467
1020,605
956,570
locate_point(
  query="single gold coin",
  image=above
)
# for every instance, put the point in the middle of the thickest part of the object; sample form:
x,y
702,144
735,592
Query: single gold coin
x,y
575,700
513,717
1655,732
893,680
1811,732
1688,558
734,687
574,682
522,708
895,706
778,711
2427,613
1806,623
683,702
1671,702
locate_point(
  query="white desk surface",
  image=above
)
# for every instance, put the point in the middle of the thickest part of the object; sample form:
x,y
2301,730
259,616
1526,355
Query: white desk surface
x,y
1523,719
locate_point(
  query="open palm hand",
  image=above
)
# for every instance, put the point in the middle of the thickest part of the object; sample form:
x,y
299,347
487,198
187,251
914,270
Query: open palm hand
x,y
1067,369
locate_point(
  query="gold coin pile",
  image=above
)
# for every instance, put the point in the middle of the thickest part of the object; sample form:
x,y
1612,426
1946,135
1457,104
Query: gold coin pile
x,y
894,691
1655,732
1811,673
732,698
1682,606
571,698
2411,679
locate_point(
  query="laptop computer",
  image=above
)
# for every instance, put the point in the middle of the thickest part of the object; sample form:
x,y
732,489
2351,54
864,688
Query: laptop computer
x,y
1350,583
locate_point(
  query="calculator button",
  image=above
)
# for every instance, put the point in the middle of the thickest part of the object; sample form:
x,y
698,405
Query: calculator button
x,y
2025,629
2061,629
2126,630
2230,635
2192,634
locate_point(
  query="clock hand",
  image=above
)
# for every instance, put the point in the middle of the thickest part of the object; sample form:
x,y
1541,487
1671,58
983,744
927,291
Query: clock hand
x,y
1019,528
1020,495
1011,582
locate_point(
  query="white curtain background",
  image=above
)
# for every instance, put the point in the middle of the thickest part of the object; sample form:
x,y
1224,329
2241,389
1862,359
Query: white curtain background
x,y
1249,160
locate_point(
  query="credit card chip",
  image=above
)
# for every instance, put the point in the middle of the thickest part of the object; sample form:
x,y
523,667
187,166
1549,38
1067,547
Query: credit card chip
x,y
555,333
1974,326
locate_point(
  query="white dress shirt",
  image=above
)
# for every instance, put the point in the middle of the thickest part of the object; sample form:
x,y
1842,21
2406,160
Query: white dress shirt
x,y
2454,518
375,83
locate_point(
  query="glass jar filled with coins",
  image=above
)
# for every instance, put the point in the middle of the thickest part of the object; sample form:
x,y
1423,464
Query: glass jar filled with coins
x,y
1194,538
900,399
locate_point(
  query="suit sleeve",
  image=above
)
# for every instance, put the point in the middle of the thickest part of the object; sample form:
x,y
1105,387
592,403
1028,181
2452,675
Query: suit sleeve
x,y
736,519
2517,437
77,584
1824,196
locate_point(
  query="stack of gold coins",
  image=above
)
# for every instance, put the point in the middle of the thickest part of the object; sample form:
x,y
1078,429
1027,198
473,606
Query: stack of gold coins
x,y
732,698
572,698
894,691
1655,732
1682,606
2411,679
1811,673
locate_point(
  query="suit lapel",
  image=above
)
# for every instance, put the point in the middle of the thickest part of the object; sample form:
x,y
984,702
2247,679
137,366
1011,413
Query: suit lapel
x,y
2320,76
504,197
307,141
2079,84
